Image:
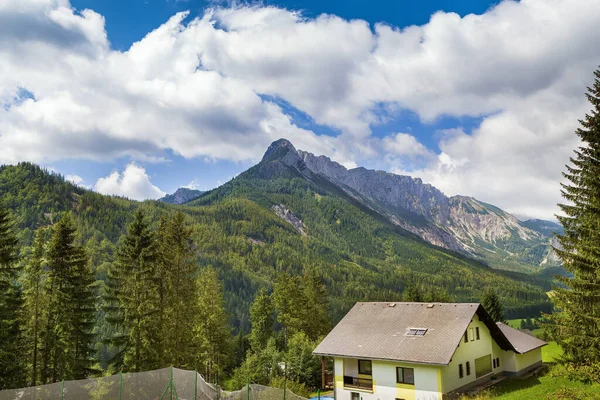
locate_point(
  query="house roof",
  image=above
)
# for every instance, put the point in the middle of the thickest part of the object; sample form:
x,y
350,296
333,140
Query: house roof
x,y
379,331
521,341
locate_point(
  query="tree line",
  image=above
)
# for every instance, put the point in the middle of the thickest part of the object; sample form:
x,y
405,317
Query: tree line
x,y
158,308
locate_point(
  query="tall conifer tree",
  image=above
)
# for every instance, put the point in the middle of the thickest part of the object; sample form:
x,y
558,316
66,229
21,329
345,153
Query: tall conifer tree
x,y
262,319
491,302
69,325
577,320
35,304
180,270
317,322
211,331
11,366
132,299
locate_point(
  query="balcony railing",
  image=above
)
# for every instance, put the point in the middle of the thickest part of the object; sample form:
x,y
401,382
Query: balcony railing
x,y
358,383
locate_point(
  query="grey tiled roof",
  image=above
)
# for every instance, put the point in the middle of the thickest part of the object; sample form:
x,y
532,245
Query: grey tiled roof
x,y
521,341
378,331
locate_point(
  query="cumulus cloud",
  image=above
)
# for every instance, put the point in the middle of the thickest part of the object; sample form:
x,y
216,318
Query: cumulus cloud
x,y
201,88
75,179
133,183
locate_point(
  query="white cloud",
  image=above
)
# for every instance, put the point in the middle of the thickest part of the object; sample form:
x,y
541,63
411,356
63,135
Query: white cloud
x,y
194,87
75,179
133,183
194,185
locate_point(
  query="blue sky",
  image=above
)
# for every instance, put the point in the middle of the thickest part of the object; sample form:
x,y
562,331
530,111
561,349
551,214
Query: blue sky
x,y
140,97
130,20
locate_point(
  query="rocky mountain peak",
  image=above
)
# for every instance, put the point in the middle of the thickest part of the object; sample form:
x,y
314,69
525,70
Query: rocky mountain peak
x,y
181,196
281,149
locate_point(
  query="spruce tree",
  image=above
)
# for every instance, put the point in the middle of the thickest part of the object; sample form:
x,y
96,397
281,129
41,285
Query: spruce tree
x,y
576,322
316,322
491,303
211,330
131,300
289,301
180,270
262,319
69,325
412,293
11,364
35,304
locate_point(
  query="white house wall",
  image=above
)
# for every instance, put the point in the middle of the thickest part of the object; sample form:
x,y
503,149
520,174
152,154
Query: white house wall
x,y
427,381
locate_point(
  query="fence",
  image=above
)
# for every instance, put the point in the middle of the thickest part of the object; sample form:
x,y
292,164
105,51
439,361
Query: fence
x,y
162,384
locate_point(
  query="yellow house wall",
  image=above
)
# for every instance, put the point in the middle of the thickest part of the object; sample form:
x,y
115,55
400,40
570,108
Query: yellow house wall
x,y
526,360
507,359
467,352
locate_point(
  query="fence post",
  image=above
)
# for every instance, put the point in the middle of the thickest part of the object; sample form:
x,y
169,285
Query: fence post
x,y
217,385
195,384
120,384
62,390
171,382
284,387
247,388
319,394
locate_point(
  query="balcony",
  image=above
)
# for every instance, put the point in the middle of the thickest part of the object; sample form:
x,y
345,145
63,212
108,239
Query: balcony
x,y
352,382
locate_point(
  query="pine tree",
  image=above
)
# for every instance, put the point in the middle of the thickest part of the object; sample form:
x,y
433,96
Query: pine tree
x,y
491,303
261,318
180,269
316,322
576,322
35,303
289,302
211,330
131,299
11,366
412,293
70,318
83,313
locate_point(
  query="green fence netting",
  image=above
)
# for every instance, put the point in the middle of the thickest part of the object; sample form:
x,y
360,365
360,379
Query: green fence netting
x,y
162,384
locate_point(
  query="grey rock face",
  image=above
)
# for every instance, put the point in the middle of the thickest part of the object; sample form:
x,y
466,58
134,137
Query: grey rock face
x,y
458,223
282,212
182,196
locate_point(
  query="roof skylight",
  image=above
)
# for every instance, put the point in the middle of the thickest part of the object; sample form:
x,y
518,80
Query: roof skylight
x,y
416,332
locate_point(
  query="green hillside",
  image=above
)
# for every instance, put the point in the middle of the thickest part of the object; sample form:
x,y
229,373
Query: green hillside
x,y
359,254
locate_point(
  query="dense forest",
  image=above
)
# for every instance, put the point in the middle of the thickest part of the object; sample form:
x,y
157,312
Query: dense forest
x,y
226,259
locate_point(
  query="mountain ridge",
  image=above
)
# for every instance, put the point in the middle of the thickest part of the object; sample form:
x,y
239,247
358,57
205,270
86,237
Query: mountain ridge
x,y
458,223
181,196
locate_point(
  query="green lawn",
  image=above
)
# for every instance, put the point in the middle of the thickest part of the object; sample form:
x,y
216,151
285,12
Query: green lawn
x,y
551,352
548,386
553,385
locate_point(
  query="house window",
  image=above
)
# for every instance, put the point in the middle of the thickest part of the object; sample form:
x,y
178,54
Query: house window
x,y
416,332
466,338
405,375
477,333
460,371
364,367
497,362
355,396
468,365
494,362
471,334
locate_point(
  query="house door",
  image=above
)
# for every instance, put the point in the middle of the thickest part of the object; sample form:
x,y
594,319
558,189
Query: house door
x,y
483,365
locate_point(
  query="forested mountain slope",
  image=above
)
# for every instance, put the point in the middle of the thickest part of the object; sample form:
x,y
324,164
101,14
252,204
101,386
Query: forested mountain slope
x,y
457,223
268,220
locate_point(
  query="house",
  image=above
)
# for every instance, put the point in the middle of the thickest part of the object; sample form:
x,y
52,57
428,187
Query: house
x,y
409,351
